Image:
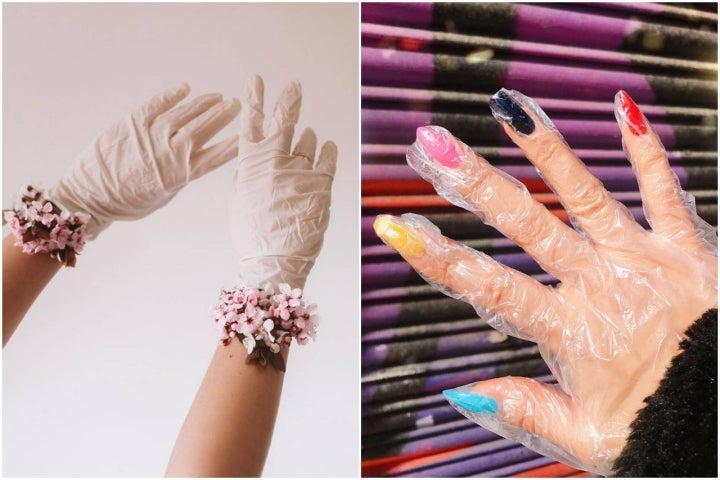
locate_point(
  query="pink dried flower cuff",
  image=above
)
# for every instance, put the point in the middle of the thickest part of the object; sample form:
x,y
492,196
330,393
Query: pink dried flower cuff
x,y
40,225
264,320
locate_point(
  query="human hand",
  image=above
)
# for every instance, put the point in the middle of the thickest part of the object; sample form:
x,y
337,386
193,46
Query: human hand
x,y
281,201
610,329
141,162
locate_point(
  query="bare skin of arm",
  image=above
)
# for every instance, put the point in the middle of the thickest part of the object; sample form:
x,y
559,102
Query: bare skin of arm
x,y
236,405
24,277
228,429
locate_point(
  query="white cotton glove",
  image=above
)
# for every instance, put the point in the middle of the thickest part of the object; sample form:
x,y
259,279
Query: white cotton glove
x,y
141,162
281,201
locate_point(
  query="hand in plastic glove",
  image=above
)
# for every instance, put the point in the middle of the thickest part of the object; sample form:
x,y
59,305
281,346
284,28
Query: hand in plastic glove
x,y
281,204
141,162
627,295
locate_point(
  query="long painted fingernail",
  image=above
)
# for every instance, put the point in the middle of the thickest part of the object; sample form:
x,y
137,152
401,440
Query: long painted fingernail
x,y
471,402
398,237
632,114
505,108
439,144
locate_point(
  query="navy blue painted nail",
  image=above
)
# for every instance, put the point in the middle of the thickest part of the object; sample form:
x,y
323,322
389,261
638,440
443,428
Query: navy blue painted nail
x,y
471,402
505,108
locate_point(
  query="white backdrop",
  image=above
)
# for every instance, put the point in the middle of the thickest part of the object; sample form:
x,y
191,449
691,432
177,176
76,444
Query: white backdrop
x,y
99,376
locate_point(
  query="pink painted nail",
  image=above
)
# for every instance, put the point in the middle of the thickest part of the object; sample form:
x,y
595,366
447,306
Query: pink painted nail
x,y
439,144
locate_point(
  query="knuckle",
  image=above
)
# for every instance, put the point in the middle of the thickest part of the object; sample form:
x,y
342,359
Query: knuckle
x,y
551,148
590,199
480,184
527,224
651,157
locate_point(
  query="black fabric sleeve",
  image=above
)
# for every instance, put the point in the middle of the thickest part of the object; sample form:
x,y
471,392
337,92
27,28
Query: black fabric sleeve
x,y
675,434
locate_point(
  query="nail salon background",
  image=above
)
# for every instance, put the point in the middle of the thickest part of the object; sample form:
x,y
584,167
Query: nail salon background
x,y
99,376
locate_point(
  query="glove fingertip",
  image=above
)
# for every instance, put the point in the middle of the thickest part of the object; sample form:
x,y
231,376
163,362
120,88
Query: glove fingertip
x,y
181,90
287,109
327,160
252,115
306,145
254,90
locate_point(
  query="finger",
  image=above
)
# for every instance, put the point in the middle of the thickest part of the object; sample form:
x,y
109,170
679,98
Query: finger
x,y
162,102
590,206
305,147
287,110
510,301
202,128
666,206
470,182
327,160
182,114
253,116
522,409
212,157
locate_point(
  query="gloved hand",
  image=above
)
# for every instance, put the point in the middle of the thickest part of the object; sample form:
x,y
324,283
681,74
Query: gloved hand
x,y
281,203
626,297
141,162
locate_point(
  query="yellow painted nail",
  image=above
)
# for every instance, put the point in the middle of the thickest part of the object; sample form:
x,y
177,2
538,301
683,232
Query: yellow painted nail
x,y
405,241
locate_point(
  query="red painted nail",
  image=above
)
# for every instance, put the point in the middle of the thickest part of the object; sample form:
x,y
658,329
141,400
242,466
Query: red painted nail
x,y
634,118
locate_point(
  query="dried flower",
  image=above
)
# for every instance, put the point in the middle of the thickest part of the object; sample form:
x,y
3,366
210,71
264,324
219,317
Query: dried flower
x,y
264,320
39,225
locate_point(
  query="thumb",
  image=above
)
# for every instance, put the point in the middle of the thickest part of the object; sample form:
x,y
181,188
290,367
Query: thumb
x,y
538,415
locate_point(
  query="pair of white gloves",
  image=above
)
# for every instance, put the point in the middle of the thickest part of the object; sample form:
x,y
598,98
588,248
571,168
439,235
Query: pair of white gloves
x,y
280,205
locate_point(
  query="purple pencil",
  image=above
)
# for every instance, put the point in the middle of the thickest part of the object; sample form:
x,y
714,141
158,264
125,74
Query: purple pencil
x,y
516,350
454,463
514,469
418,331
461,432
405,421
377,35
595,30
437,382
424,70
399,314
426,349
478,465
427,401
663,10
399,126
478,103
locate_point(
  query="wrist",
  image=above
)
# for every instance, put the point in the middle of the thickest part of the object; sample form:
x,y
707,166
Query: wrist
x,y
275,270
681,415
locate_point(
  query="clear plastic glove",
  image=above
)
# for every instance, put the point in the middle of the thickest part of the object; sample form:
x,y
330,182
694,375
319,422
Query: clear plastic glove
x,y
141,162
627,295
281,202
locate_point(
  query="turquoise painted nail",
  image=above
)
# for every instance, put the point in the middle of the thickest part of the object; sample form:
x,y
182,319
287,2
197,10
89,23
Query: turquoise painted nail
x,y
471,402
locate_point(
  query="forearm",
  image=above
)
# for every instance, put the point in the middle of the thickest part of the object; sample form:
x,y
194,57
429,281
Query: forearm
x,y
24,277
228,429
675,434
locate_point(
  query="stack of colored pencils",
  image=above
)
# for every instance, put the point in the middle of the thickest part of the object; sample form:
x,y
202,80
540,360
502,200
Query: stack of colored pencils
x,y
438,64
